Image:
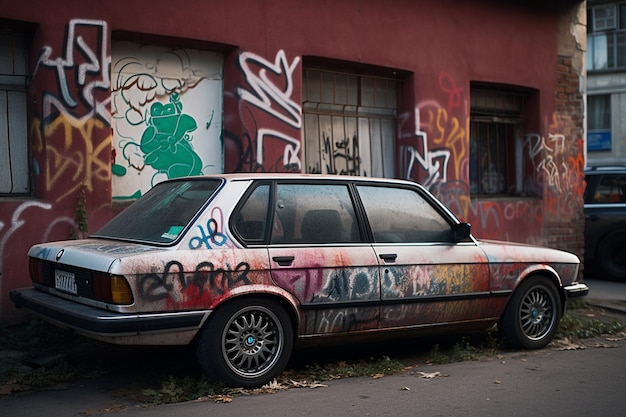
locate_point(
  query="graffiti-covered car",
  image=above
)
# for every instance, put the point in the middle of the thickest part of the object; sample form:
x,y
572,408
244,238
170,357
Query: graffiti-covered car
x,y
246,266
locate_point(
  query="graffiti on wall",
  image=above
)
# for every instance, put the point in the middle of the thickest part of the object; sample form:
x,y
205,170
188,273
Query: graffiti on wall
x,y
436,155
418,155
272,118
76,114
15,229
166,109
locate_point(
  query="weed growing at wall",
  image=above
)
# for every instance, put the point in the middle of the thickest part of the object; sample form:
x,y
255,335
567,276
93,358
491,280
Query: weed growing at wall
x,y
80,216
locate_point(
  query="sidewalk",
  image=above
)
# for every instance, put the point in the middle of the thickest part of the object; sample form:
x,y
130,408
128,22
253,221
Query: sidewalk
x,y
609,295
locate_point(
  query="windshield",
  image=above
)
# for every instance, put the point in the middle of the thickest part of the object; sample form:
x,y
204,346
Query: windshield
x,y
161,215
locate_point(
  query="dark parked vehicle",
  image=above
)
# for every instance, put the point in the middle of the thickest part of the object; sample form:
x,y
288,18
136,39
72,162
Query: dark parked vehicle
x,y
605,221
244,266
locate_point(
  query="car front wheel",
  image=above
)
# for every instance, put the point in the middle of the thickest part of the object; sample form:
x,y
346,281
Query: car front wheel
x,y
532,316
246,343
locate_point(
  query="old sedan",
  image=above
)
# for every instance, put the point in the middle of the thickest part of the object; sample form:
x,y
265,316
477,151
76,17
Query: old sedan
x,y
245,266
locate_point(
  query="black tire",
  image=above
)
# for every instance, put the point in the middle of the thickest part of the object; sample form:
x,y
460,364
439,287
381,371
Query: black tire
x,y
246,343
611,255
532,316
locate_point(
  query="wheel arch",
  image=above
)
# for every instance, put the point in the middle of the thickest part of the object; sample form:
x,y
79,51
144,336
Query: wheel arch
x,y
283,298
544,271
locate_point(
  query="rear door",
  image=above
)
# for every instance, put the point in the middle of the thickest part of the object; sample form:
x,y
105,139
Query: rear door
x,y
318,254
426,276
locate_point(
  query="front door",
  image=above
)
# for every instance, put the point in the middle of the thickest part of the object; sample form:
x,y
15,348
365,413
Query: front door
x,y
426,277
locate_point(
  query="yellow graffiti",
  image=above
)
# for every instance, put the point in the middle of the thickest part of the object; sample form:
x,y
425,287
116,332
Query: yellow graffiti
x,y
449,132
77,156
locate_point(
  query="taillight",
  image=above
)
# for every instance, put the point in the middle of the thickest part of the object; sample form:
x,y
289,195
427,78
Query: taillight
x,y
120,290
111,289
35,270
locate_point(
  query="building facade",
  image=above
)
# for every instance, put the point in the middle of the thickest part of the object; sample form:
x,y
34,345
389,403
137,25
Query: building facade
x,y
606,82
480,101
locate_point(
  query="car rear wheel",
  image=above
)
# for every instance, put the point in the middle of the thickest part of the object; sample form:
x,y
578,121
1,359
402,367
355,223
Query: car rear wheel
x,y
611,255
246,343
532,316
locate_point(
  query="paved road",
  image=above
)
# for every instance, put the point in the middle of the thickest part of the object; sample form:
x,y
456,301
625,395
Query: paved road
x,y
579,382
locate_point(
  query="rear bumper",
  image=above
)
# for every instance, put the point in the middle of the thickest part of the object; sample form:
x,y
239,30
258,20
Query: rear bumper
x,y
111,326
575,290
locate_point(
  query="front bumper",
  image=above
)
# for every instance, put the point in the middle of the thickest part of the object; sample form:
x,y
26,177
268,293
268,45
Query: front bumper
x,y
575,290
122,328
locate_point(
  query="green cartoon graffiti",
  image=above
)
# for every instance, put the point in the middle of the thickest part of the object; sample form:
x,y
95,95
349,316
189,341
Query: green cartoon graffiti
x,y
166,142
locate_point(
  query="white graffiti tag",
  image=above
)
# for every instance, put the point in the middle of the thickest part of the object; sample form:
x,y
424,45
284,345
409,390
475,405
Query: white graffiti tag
x,y
262,76
80,56
435,162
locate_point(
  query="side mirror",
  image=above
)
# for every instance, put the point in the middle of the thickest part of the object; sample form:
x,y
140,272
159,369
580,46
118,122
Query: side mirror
x,y
461,231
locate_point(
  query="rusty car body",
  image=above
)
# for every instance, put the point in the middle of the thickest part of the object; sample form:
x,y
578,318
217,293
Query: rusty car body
x,y
244,266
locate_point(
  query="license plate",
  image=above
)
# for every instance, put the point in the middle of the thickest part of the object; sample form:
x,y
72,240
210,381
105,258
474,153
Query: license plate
x,y
65,281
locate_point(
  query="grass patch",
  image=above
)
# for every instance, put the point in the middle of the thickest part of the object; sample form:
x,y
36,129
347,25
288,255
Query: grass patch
x,y
177,389
20,347
343,369
466,349
574,327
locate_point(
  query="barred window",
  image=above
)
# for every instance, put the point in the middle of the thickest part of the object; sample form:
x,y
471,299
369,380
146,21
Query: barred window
x,y
495,132
349,123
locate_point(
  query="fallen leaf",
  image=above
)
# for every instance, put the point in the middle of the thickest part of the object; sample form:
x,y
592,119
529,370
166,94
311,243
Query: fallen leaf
x,y
429,375
222,399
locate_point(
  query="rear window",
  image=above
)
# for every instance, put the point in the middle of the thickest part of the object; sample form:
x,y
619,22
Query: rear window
x,y
163,213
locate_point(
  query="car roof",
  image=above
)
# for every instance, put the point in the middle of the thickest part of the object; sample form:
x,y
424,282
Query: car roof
x,y
605,169
298,176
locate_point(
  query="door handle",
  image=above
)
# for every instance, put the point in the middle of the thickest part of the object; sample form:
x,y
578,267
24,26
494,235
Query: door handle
x,y
592,217
388,257
283,260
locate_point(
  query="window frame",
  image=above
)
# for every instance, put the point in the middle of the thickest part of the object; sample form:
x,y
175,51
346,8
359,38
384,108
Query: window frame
x,y
503,109
14,85
607,22
599,125
606,41
357,102
443,236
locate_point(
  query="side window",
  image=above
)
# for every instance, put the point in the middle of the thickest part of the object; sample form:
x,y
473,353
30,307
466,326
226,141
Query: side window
x,y
611,189
251,218
314,213
398,215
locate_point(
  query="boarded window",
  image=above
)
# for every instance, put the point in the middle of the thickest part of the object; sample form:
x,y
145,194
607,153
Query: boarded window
x,y
349,123
14,161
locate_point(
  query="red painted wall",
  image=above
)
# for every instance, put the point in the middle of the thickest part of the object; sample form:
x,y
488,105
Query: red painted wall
x,y
438,47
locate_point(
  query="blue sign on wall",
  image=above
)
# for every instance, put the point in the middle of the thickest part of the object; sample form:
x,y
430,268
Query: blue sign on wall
x,y
599,141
